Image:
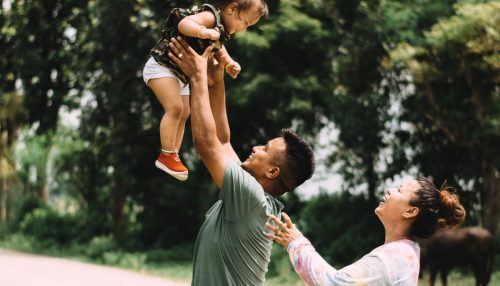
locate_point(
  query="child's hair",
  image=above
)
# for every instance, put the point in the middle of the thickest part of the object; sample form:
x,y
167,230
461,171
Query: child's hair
x,y
438,209
243,5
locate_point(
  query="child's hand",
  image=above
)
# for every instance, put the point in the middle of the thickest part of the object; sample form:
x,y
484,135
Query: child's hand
x,y
206,33
233,69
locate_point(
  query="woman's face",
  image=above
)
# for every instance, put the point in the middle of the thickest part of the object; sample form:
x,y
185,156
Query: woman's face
x,y
395,204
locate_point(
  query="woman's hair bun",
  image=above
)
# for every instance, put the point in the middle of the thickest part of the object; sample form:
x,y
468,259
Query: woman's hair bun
x,y
451,212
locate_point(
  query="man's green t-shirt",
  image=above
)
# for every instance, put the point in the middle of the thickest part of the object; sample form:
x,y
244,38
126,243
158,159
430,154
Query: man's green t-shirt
x,y
232,247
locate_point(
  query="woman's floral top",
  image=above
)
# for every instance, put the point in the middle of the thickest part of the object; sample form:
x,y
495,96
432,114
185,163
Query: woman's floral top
x,y
394,263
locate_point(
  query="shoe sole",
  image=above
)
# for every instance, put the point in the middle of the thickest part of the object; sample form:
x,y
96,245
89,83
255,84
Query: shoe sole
x,y
181,176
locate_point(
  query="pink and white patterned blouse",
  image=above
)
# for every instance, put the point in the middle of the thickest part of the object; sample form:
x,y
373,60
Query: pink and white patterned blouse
x,y
394,263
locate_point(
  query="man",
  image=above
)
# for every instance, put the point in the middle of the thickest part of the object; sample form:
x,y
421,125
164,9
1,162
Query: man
x,y
232,247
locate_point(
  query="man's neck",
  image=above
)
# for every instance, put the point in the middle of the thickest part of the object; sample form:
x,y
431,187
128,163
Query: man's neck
x,y
269,188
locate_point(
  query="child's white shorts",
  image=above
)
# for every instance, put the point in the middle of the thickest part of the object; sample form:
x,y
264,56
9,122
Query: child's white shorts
x,y
153,70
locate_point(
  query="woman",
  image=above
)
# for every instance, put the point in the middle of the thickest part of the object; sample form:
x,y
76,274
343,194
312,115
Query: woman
x,y
414,210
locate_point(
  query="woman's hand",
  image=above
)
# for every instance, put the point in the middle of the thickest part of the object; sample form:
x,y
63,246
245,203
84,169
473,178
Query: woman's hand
x,y
285,233
187,59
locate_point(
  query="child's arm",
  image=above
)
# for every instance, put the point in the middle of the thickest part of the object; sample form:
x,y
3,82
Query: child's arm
x,y
197,26
232,67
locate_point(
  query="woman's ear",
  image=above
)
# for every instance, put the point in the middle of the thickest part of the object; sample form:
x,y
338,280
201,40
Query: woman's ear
x,y
272,173
412,212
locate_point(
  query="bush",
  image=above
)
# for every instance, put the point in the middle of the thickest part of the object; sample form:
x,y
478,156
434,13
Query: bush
x,y
46,225
100,245
280,265
175,254
26,206
342,227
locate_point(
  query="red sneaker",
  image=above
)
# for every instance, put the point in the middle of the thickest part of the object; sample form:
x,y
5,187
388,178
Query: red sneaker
x,y
171,164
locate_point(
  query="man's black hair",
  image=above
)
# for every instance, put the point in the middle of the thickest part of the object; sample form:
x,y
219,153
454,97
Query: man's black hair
x,y
297,164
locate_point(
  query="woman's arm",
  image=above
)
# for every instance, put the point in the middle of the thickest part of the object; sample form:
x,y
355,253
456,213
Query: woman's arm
x,y
310,266
314,270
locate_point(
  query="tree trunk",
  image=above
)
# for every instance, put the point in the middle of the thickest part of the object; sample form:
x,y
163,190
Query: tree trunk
x,y
371,179
44,192
3,176
118,207
491,198
3,198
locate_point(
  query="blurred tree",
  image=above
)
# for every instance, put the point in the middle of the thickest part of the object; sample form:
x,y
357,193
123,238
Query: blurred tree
x,y
286,75
366,31
9,124
454,106
41,59
120,122
357,75
11,115
310,62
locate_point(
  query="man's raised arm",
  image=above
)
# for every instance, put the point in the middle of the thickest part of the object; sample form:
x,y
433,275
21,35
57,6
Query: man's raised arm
x,y
203,126
216,90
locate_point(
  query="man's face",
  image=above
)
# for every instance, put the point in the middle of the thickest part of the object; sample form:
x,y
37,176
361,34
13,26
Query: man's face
x,y
264,158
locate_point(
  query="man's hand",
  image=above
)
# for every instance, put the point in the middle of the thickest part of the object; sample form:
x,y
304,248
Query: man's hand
x,y
187,59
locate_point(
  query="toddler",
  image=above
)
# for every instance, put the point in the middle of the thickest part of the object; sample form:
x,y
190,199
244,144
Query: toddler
x,y
211,24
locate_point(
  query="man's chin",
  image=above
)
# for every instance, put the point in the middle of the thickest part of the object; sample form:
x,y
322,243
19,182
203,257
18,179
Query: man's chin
x,y
245,166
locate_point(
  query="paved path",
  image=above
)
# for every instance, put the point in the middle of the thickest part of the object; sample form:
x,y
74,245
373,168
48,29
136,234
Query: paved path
x,y
19,269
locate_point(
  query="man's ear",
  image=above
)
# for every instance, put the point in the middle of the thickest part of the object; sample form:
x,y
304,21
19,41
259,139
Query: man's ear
x,y
411,213
273,173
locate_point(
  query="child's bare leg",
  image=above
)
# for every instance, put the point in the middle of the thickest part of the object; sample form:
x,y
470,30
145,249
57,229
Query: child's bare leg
x,y
182,122
167,91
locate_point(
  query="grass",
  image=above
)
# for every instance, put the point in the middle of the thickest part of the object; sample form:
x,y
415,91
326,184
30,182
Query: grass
x,y
281,273
457,278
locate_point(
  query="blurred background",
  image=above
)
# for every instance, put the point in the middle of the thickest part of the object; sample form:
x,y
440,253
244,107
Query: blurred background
x,y
385,89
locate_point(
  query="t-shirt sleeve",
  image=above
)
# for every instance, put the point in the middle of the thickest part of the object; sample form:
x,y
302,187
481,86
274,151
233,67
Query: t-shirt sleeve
x,y
240,192
314,270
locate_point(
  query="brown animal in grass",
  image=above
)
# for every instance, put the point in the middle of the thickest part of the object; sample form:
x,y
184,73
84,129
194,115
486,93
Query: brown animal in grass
x,y
469,246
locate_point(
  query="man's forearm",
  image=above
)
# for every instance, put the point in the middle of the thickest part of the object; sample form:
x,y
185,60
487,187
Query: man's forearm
x,y
218,105
202,121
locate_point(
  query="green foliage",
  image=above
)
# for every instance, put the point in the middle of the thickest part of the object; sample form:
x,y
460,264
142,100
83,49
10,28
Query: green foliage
x,y
47,225
280,266
285,78
476,26
454,108
407,83
43,53
27,205
177,253
99,245
105,250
